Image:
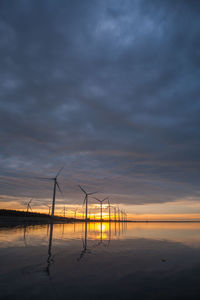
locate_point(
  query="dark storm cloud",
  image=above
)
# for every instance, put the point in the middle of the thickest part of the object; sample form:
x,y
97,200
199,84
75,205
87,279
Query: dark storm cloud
x,y
109,88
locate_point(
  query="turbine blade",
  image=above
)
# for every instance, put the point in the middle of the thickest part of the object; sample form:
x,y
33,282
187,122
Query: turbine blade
x,y
96,199
104,199
59,188
84,200
43,178
82,189
59,171
92,193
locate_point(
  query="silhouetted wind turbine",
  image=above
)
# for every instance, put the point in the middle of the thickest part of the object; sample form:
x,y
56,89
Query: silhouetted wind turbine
x,y
64,210
56,185
75,210
101,203
29,205
85,201
118,214
115,209
122,215
49,206
109,209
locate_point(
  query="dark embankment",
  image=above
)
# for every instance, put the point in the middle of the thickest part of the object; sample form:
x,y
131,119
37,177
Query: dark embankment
x,y
16,217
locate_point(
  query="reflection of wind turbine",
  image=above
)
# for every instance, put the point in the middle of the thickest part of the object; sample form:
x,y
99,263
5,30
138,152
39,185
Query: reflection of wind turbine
x,y
56,185
25,243
101,203
50,259
85,249
29,205
85,201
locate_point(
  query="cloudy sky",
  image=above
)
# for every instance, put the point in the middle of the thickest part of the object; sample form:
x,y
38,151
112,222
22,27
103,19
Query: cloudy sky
x,y
110,89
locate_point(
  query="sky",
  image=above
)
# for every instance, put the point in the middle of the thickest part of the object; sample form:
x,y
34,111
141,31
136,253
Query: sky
x,y
108,89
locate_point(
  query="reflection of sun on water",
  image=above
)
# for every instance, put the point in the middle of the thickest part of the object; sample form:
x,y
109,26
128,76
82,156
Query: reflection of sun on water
x,y
101,227
102,231
102,236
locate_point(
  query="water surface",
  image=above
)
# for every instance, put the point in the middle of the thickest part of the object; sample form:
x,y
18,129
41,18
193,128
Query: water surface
x,y
100,261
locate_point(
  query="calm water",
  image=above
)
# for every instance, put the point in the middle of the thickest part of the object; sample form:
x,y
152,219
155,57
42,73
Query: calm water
x,y
126,261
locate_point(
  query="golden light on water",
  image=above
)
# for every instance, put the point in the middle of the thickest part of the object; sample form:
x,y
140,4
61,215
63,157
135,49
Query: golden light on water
x,y
100,227
187,233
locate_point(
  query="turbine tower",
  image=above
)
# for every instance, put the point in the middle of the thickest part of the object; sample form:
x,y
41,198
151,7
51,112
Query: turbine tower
x,y
85,201
101,203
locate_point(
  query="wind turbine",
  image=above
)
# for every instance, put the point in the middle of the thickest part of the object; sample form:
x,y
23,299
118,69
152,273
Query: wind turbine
x,y
64,210
118,214
56,185
101,203
115,209
109,209
29,205
122,215
75,210
49,206
85,201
